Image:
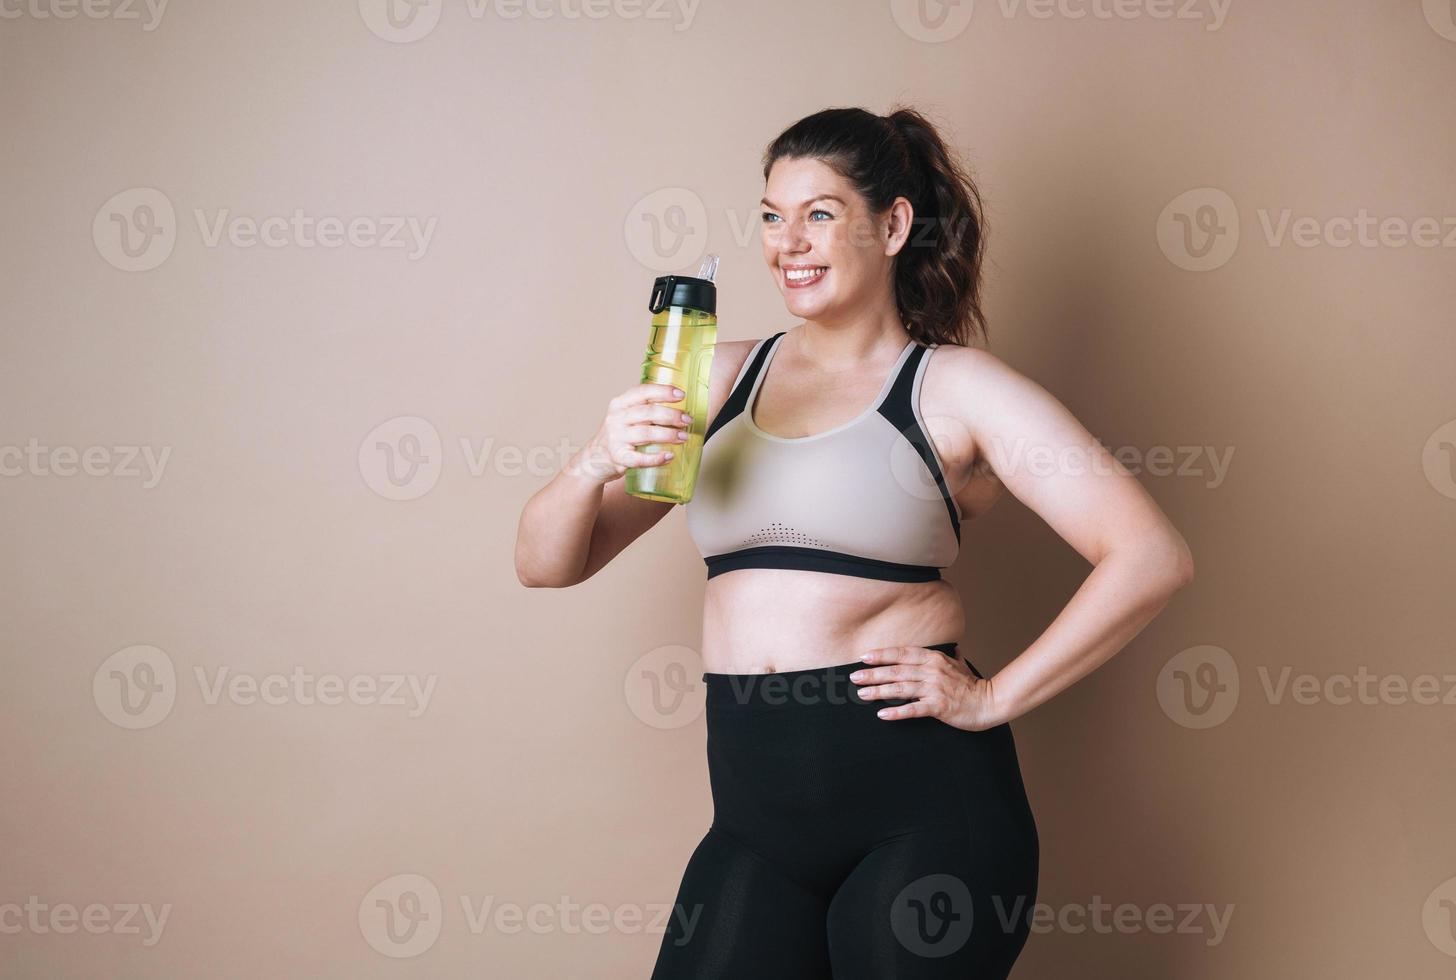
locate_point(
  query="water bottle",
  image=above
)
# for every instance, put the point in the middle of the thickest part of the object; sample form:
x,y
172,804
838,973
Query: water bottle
x,y
680,353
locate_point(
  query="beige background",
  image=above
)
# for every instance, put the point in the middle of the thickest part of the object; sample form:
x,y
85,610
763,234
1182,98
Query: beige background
x,y
541,767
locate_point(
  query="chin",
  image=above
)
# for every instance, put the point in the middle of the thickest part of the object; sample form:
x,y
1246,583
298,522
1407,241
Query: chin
x,y
807,308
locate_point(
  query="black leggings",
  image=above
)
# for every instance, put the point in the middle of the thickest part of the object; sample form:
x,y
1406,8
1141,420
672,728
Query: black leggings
x,y
850,847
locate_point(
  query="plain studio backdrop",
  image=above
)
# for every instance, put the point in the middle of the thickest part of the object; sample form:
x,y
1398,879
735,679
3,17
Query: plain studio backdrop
x,y
302,301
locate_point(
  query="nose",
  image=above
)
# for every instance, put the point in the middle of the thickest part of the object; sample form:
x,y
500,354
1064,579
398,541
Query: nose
x,y
791,237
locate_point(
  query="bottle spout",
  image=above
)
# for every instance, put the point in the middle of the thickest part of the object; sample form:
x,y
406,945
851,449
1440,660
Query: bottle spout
x,y
709,269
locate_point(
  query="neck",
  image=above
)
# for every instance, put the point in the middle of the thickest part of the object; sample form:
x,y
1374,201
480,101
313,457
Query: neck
x,y
843,344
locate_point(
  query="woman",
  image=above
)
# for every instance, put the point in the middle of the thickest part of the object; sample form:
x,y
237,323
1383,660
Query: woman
x,y
870,819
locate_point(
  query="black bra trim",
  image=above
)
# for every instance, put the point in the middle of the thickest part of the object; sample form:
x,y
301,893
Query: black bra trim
x,y
819,560
738,398
898,411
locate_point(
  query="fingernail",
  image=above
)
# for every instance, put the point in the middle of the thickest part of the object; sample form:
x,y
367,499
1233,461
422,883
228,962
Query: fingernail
x,y
678,392
686,417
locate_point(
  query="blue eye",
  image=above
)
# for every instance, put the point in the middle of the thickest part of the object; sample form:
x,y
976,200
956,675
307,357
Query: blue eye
x,y
818,211
769,216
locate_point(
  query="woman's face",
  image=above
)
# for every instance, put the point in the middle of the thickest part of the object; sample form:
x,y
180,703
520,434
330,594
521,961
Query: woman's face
x,y
828,253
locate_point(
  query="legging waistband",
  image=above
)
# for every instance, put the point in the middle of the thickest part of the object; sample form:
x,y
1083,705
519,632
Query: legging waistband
x,y
811,687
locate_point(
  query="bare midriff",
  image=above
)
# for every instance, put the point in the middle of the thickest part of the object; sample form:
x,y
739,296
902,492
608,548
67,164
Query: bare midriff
x,y
768,620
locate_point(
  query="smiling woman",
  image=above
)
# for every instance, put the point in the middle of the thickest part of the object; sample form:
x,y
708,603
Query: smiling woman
x,y
870,819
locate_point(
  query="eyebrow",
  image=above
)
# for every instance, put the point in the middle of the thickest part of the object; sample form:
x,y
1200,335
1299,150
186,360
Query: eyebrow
x,y
822,197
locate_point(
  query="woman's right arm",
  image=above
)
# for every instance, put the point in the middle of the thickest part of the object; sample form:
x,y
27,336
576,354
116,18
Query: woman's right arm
x,y
584,517
572,527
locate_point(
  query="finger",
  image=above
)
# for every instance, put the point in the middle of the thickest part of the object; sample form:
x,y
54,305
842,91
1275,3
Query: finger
x,y
896,655
632,459
880,675
660,415
652,391
639,435
915,709
898,689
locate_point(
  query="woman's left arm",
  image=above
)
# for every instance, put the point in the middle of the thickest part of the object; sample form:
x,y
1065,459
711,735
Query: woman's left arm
x,y
1051,463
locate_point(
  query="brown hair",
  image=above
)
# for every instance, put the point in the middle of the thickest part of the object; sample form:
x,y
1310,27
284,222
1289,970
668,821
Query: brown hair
x,y
938,272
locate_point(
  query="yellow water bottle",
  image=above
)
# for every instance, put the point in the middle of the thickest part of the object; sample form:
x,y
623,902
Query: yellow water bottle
x,y
680,353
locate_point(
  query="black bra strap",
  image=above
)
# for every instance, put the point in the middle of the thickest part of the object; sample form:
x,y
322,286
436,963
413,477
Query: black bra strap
x,y
738,398
898,410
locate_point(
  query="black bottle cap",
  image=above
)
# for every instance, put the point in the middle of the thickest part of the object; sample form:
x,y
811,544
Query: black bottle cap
x,y
689,291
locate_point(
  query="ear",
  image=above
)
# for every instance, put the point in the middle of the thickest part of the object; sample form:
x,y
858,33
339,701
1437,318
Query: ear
x,y
901,219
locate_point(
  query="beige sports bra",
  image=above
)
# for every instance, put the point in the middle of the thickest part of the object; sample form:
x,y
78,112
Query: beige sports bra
x,y
866,498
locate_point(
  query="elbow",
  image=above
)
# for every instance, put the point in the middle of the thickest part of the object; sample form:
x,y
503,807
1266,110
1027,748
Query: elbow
x,y
531,580
1178,564
1162,562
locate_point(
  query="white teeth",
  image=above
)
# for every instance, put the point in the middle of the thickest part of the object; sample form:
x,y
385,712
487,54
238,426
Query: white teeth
x,y
796,275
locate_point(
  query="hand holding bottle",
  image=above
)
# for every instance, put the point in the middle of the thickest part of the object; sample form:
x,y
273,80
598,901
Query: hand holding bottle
x,y
636,417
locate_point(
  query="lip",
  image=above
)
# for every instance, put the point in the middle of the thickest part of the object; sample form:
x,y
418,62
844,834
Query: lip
x,y
788,267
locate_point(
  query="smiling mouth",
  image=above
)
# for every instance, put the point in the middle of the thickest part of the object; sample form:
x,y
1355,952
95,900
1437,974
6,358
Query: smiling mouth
x,y
798,278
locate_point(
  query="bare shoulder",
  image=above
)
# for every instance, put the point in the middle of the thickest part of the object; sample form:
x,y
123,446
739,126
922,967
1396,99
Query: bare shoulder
x,y
953,366
971,383
729,357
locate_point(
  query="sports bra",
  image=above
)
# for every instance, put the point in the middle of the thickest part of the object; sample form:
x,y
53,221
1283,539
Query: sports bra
x,y
865,498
